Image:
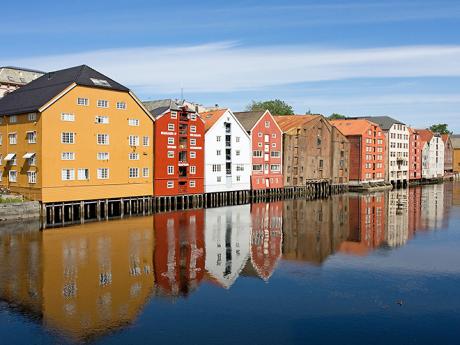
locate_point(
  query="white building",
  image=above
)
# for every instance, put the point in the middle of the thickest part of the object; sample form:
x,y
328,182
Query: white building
x,y
397,144
227,242
227,154
12,78
397,218
432,154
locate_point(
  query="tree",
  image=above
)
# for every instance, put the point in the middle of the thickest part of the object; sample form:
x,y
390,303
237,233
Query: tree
x,y
336,116
276,107
440,128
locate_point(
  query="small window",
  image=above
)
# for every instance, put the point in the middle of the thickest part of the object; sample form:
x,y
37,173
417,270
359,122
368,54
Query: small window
x,y
102,173
102,156
192,129
192,170
173,116
192,184
32,116
170,126
133,140
13,119
192,154
273,135
267,124
121,105
170,154
103,139
68,174
82,101
237,152
219,179
12,176
259,134
170,170
32,176
68,138
68,156
170,140
193,116
237,139
238,178
133,156
133,122
192,142
170,184
102,103
67,117
273,144
102,119
32,137
13,138
145,172
218,138
133,172
218,152
146,141
83,174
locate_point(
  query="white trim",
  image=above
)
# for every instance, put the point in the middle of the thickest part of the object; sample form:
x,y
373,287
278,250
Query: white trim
x,y
56,98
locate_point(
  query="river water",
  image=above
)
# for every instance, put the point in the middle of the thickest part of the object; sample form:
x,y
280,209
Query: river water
x,y
378,268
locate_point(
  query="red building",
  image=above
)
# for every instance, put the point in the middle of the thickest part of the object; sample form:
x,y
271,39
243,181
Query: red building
x,y
267,140
367,150
179,149
179,256
415,155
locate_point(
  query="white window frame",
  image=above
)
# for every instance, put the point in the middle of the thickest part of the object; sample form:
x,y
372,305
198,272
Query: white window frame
x,y
67,156
85,176
170,154
102,139
68,117
192,142
13,119
32,137
13,138
192,184
133,122
133,156
192,154
69,174
146,141
170,184
192,170
102,119
192,129
102,103
133,140
103,173
170,169
71,135
170,140
171,127
101,154
12,173
121,105
145,172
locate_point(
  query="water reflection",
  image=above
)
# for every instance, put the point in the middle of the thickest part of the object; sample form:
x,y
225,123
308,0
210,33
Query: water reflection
x,y
86,280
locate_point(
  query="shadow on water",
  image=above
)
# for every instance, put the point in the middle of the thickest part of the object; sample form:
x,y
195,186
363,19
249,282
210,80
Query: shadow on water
x,y
85,282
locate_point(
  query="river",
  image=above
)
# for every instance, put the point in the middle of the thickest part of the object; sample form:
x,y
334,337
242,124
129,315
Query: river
x,y
379,268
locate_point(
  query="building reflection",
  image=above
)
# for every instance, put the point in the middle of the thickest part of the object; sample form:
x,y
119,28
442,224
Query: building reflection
x,y
179,252
397,232
432,207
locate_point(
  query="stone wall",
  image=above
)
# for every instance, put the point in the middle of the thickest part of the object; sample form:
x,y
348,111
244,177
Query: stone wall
x,y
20,210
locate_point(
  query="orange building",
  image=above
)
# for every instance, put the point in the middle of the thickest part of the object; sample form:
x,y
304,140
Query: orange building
x,y
367,150
75,134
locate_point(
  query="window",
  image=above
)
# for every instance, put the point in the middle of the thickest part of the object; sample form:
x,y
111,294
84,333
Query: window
x,y
1,139
192,184
102,156
193,116
133,122
32,116
238,178
259,134
267,124
102,119
68,156
13,119
173,114
192,154
218,138
13,138
219,179
273,135
133,156
218,152
102,103
12,176
170,170
170,140
102,173
83,174
82,101
170,154
239,167
67,117
32,137
133,172
102,139
145,172
192,142
133,140
216,167
170,184
257,153
192,129
275,153
192,170
146,141
32,160
273,144
68,174
237,139
170,126
257,167
276,167
121,105
68,138
237,152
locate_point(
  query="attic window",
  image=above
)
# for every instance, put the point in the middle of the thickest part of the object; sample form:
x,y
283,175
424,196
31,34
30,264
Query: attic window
x,y
100,82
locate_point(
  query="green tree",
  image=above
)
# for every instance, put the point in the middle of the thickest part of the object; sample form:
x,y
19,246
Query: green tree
x,y
275,106
440,128
336,116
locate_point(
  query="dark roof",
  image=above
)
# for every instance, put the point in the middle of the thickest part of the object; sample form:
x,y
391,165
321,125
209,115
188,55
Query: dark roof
x,y
249,118
38,92
385,122
159,107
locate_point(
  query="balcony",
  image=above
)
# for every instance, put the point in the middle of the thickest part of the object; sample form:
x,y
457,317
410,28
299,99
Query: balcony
x,y
183,158
182,172
183,129
228,168
182,188
184,117
228,154
183,143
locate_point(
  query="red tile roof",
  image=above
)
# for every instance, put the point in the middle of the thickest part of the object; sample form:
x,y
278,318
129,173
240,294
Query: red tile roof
x,y
425,134
352,127
288,122
211,117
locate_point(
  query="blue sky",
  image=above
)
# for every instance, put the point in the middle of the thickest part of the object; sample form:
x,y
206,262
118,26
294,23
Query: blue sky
x,y
398,58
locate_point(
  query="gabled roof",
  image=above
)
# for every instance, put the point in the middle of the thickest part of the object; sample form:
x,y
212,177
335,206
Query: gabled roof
x,y
211,117
248,119
385,122
352,127
455,139
445,137
425,134
288,122
31,97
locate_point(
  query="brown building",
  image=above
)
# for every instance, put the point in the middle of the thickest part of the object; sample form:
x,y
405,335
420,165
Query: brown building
x,y
340,157
308,150
448,154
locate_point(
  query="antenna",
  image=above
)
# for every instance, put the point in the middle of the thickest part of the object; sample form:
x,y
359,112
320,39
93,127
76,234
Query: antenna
x,y
181,91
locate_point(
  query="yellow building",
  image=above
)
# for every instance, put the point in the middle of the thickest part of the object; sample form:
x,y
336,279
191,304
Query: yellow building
x,y
455,139
75,135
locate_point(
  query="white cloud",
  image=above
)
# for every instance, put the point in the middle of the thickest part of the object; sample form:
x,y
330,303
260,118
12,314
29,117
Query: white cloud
x,y
228,67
